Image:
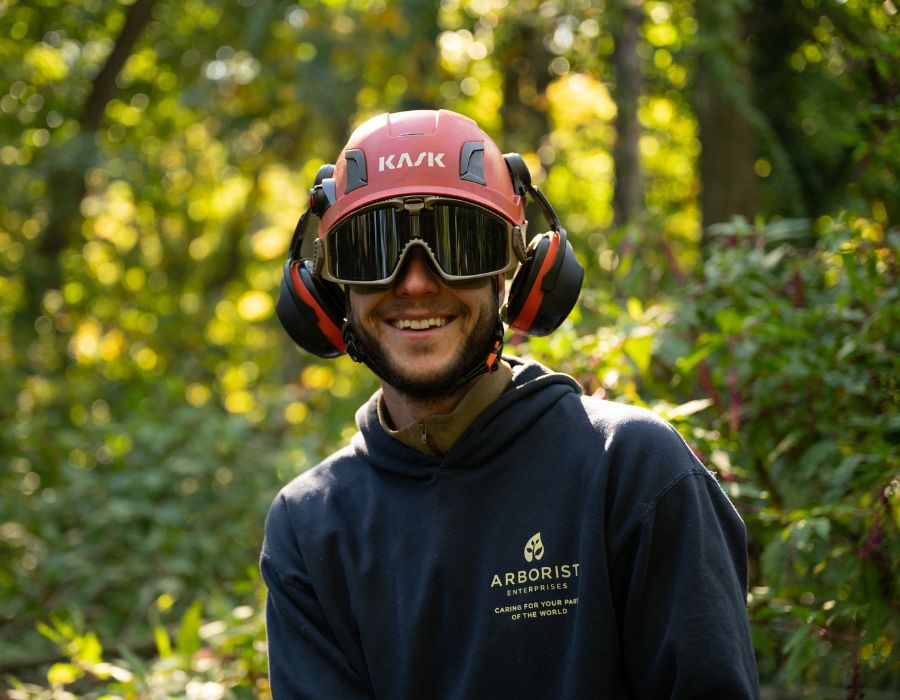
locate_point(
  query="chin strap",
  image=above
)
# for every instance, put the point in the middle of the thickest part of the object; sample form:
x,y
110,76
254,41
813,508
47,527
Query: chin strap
x,y
354,349
490,363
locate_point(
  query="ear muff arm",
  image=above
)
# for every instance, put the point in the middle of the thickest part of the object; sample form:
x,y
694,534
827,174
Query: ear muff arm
x,y
308,218
546,207
552,275
299,235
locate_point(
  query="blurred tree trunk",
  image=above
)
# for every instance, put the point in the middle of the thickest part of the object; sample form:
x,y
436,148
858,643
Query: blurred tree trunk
x,y
418,59
524,61
66,182
722,100
628,196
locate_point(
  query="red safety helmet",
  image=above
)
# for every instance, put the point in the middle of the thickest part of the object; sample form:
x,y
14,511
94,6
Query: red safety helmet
x,y
422,152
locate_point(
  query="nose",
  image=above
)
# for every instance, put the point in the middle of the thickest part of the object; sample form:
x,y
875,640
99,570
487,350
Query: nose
x,y
416,278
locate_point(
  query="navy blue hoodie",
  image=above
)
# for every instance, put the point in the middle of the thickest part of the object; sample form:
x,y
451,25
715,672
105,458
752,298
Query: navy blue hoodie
x,y
565,547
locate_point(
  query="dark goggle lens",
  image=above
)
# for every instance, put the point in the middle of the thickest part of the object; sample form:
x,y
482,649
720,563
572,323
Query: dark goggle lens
x,y
365,247
465,241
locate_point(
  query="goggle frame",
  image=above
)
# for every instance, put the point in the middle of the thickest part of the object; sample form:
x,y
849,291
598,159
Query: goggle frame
x,y
414,205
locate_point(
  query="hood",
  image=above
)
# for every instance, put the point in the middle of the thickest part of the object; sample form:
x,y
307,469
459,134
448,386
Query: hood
x,y
533,391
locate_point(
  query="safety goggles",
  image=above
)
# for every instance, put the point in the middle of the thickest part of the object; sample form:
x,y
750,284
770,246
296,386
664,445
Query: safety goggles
x,y
464,241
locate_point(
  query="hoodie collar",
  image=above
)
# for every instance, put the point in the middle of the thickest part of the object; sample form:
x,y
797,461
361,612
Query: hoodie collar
x,y
524,401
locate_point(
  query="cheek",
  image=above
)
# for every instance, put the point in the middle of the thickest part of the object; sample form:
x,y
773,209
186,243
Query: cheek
x,y
481,303
361,303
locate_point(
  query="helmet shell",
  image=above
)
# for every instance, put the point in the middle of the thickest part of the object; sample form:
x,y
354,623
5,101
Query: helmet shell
x,y
424,152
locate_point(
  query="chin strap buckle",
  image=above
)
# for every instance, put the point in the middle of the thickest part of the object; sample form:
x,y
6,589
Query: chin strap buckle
x,y
493,357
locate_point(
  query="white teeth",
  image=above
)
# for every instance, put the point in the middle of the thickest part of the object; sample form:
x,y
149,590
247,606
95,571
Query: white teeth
x,y
419,324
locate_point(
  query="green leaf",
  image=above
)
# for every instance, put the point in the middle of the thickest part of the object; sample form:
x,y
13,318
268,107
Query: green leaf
x,y
135,663
689,408
687,363
163,643
729,321
50,633
634,308
188,640
640,348
801,646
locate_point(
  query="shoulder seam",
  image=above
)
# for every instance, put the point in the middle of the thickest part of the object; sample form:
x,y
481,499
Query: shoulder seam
x,y
650,506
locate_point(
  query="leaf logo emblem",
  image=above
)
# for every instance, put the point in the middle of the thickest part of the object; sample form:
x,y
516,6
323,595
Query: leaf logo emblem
x,y
534,550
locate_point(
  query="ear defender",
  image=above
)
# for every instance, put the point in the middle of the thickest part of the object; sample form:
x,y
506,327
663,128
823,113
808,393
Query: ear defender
x,y
310,308
546,284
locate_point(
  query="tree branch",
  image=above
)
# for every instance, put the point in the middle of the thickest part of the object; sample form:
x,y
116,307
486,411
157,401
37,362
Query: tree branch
x,y
66,187
104,84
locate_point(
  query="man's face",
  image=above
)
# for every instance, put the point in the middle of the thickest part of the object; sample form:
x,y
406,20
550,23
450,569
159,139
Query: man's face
x,y
423,333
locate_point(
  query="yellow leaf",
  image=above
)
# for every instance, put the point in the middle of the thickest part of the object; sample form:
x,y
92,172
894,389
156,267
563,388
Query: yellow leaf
x,y
61,674
46,63
296,412
317,377
270,243
255,306
165,601
689,408
89,649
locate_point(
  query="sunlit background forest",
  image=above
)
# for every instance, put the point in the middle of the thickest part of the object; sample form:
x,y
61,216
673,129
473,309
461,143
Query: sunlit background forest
x,y
728,175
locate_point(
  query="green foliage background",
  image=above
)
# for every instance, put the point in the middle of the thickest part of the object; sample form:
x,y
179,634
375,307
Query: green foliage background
x,y
155,156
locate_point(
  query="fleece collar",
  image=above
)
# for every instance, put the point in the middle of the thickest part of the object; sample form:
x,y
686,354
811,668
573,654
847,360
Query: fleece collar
x,y
436,434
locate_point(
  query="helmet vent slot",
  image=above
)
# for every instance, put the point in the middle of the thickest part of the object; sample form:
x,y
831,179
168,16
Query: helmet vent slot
x,y
471,162
357,176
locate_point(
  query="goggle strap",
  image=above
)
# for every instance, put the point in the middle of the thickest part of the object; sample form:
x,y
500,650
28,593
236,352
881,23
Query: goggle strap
x,y
519,234
318,257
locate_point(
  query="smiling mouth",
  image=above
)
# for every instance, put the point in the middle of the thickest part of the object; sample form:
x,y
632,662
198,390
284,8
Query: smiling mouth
x,y
419,324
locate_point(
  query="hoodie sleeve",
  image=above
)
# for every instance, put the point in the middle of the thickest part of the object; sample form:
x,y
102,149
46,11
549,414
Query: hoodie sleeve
x,y
681,582
306,659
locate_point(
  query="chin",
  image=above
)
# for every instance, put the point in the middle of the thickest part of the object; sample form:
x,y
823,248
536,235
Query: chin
x,y
426,384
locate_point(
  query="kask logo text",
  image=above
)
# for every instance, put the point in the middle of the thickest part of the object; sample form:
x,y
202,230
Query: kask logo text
x,y
405,160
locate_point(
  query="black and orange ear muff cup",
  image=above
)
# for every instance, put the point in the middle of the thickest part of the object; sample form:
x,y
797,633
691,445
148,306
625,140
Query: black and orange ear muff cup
x,y
311,310
546,286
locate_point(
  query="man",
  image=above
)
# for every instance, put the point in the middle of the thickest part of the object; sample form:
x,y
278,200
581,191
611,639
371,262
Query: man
x,y
488,532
